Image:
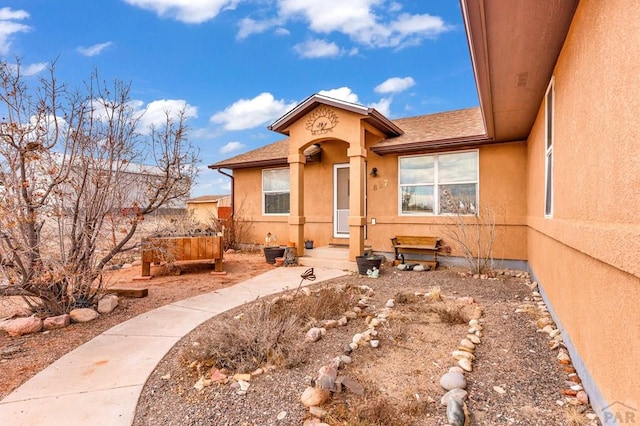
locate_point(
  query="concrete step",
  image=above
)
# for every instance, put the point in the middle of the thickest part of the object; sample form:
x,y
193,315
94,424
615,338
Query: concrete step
x,y
343,265
335,253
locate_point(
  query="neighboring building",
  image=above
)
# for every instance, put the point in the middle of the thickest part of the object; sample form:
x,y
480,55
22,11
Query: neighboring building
x,y
554,150
207,208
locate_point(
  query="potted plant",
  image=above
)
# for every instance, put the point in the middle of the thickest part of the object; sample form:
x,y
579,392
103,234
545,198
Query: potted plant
x,y
367,262
271,251
308,244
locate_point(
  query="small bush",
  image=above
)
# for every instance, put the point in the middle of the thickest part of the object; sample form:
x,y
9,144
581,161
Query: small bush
x,y
450,314
257,338
268,333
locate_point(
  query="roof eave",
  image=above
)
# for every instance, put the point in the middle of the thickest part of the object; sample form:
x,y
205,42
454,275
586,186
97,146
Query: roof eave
x,y
378,120
249,164
433,146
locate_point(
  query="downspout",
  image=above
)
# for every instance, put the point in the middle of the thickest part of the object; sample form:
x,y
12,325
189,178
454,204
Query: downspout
x,y
232,191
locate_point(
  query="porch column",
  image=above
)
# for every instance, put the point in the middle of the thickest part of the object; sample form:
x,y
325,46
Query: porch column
x,y
357,219
296,201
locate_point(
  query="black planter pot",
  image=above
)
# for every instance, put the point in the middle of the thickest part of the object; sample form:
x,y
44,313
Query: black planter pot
x,y
308,244
368,263
270,253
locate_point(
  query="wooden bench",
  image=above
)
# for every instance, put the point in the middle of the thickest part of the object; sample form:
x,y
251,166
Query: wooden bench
x,y
407,244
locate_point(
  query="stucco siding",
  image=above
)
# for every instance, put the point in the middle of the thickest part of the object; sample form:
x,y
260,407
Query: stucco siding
x,y
502,170
586,255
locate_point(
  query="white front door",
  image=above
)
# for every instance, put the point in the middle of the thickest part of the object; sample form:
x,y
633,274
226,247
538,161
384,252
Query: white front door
x,y
341,201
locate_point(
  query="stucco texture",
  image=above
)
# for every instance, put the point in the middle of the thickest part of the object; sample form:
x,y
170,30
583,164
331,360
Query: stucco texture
x,y
586,255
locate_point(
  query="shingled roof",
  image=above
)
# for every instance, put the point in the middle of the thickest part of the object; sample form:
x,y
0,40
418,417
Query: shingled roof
x,y
450,129
274,154
445,130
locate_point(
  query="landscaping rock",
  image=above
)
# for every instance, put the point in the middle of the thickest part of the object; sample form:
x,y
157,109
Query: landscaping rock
x,y
453,393
453,380
456,412
465,364
83,315
312,397
107,304
23,325
60,321
314,334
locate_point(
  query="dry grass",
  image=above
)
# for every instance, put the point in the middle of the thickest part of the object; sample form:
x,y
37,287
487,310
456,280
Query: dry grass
x,y
434,293
575,417
450,314
268,332
376,410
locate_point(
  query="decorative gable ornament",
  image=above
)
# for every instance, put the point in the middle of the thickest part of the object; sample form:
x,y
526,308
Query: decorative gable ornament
x,y
321,121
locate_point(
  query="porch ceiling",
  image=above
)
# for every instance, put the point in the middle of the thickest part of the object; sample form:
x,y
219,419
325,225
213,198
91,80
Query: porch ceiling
x,y
514,47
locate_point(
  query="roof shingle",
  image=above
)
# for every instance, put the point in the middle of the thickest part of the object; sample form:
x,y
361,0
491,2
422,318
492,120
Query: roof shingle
x,y
423,132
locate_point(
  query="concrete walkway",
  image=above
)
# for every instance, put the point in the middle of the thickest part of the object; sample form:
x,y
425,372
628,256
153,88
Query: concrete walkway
x,y
99,383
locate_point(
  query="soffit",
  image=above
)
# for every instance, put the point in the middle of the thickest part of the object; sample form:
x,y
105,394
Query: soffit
x,y
514,47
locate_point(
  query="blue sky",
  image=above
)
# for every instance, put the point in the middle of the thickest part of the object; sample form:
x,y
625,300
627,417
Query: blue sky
x,y
238,65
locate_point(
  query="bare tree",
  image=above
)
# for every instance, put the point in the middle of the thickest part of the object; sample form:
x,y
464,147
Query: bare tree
x,y
73,164
473,231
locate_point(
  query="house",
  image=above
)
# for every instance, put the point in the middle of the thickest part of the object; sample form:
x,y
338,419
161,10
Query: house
x,y
207,208
553,149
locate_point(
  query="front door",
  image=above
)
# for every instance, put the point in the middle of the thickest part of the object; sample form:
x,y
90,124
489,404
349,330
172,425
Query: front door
x,y
341,201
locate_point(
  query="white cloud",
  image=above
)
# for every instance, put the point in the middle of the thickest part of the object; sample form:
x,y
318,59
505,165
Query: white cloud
x,y
363,21
250,113
155,113
317,49
250,26
187,11
395,85
210,182
9,27
231,146
342,93
94,50
383,106
28,70
33,69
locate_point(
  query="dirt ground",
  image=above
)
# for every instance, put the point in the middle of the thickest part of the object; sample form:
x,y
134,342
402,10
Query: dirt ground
x,y
22,357
516,379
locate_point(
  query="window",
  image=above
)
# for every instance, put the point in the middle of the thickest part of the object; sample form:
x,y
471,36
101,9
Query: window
x,y
439,184
275,191
548,165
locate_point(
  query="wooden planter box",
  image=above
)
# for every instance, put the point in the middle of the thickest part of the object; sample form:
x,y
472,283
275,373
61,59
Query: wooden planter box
x,y
155,250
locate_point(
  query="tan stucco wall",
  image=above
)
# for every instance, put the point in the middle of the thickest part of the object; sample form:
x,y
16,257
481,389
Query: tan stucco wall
x,y
502,188
587,257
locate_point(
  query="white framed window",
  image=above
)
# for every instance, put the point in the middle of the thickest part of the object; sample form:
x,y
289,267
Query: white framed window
x,y
438,184
275,191
548,150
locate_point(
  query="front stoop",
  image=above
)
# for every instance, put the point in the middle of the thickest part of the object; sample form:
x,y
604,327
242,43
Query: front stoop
x,y
328,257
